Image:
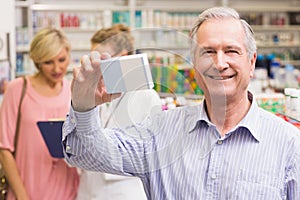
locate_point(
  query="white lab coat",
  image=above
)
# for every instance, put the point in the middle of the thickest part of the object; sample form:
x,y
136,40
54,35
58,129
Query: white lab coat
x,y
129,109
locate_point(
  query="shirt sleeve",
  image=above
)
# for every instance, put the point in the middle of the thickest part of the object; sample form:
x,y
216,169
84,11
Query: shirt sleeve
x,y
88,146
8,114
293,173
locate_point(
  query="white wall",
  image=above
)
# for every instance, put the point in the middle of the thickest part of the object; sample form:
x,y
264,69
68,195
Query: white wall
x,y
7,24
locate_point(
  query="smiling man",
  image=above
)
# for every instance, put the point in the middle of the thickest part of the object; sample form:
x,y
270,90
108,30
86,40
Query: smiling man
x,y
224,61
225,148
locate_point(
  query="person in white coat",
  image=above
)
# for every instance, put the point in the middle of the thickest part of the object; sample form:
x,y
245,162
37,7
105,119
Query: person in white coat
x,y
131,108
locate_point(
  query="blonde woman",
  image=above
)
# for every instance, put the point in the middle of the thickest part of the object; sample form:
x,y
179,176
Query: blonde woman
x,y
32,173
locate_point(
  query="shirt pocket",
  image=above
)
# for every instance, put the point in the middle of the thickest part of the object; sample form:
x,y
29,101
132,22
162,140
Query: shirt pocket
x,y
257,185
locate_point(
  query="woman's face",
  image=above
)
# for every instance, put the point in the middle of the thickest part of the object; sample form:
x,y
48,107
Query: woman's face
x,y
55,69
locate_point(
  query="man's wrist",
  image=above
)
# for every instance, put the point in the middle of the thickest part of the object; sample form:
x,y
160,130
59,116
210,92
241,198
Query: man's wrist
x,y
83,108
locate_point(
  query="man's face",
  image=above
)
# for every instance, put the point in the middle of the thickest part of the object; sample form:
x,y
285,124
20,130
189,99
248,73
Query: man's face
x,y
221,62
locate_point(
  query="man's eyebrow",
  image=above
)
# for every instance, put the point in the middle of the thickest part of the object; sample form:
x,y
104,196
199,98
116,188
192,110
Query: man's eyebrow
x,y
233,47
204,49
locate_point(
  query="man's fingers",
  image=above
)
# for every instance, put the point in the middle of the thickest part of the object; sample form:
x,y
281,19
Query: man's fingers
x,y
116,95
95,58
89,69
86,64
105,56
104,97
77,75
88,87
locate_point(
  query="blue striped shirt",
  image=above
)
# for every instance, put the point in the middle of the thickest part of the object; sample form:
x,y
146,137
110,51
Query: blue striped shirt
x,y
179,154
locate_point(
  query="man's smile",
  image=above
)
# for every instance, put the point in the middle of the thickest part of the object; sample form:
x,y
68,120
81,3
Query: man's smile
x,y
220,77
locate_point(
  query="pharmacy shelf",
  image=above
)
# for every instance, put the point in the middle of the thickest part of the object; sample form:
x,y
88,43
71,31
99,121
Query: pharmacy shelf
x,y
187,96
277,28
181,29
84,47
81,7
279,45
292,62
74,29
22,49
297,119
176,8
267,8
22,3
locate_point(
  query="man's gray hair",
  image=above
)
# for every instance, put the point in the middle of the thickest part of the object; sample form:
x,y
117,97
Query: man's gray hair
x,y
218,13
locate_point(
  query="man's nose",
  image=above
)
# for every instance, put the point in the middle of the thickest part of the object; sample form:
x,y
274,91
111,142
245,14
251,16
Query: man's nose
x,y
221,61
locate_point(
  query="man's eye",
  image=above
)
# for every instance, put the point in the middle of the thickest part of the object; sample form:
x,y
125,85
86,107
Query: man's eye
x,y
206,52
233,51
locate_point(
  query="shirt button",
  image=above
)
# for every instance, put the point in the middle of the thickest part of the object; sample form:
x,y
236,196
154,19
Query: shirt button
x,y
68,148
73,120
284,197
220,141
213,176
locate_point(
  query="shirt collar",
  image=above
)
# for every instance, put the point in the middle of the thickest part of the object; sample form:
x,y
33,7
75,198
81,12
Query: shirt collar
x,y
197,114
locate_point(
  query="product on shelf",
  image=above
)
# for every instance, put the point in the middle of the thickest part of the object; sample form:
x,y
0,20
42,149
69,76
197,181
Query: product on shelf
x,y
158,18
174,80
171,102
293,121
292,102
166,27
274,102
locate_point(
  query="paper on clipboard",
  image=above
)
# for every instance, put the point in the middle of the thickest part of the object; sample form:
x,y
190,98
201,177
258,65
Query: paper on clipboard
x,y
52,134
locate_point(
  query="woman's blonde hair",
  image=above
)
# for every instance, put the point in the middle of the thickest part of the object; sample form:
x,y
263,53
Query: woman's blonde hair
x,y
118,37
46,44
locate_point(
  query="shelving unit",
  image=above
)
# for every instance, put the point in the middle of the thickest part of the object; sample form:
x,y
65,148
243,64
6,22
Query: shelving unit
x,y
160,29
156,25
79,21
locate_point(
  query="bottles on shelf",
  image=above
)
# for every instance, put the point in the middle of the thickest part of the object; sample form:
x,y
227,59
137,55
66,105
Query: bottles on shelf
x,y
173,76
273,102
158,18
274,74
292,102
24,64
266,18
83,20
156,27
22,39
275,38
274,29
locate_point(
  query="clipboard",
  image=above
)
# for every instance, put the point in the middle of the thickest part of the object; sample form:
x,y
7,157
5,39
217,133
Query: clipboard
x,y
52,134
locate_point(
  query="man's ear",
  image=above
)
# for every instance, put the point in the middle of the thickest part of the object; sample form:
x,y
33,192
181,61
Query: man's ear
x,y
252,64
94,46
124,52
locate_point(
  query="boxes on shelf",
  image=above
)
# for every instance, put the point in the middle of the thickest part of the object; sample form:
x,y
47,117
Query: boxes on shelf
x,y
173,79
274,102
173,74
